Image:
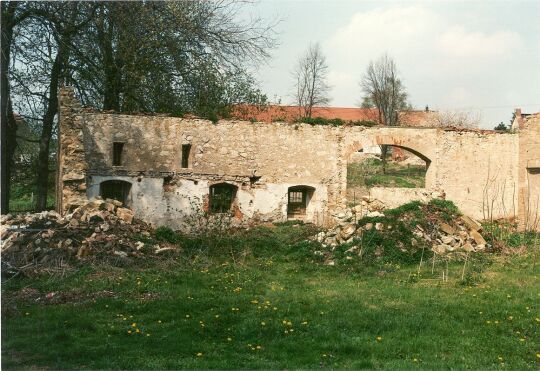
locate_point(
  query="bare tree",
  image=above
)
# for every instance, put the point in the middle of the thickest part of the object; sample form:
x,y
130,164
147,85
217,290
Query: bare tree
x,y
458,119
383,90
311,88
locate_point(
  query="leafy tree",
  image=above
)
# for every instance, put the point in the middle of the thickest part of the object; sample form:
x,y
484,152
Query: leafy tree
x,y
501,127
172,57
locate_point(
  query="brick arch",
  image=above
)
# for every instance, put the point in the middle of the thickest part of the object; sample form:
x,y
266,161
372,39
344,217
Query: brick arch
x,y
421,142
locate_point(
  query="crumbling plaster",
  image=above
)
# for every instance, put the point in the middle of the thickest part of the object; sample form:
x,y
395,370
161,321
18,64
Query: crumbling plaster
x,y
263,160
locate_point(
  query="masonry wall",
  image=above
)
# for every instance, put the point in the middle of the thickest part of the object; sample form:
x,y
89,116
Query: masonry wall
x,y
482,172
529,173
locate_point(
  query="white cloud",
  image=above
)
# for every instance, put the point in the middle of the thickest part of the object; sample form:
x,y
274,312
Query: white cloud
x,y
374,32
458,42
442,62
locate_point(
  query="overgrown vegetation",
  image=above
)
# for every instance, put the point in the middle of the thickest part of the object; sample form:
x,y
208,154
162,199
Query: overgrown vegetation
x,y
334,122
369,173
23,190
263,298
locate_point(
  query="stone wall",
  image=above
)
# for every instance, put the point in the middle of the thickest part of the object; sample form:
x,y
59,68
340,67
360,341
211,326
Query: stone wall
x,y
262,160
529,173
71,169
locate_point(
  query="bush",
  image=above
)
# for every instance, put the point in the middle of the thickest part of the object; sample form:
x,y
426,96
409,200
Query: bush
x,y
167,234
334,122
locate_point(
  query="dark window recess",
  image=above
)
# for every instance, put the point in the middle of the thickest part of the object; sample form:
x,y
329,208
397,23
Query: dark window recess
x,y
298,198
118,147
186,148
116,190
222,197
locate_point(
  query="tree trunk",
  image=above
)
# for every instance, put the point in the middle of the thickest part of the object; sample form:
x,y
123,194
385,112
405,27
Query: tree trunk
x,y
106,29
384,154
8,125
42,182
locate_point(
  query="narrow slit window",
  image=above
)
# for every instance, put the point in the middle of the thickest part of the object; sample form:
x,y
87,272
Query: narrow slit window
x,y
118,148
186,148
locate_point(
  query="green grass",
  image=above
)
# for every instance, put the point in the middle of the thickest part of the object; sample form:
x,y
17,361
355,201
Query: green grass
x,y
23,197
215,302
369,173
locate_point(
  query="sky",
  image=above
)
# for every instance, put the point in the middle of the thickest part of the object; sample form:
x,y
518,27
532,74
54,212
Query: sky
x,y
480,57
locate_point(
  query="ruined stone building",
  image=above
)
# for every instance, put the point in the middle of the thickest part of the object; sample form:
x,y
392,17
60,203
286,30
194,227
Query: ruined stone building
x,y
167,168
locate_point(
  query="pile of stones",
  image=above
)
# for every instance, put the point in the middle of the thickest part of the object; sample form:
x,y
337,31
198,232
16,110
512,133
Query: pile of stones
x,y
47,241
462,234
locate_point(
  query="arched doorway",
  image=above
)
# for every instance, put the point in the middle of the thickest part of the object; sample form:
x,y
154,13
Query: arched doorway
x,y
119,190
298,198
384,166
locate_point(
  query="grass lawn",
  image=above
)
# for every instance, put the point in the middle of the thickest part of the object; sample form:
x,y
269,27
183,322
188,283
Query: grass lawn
x,y
269,305
369,173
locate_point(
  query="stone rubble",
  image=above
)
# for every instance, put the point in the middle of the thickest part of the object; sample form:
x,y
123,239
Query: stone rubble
x,y
49,242
463,234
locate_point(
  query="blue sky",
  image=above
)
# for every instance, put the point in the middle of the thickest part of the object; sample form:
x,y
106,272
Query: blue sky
x,y
477,56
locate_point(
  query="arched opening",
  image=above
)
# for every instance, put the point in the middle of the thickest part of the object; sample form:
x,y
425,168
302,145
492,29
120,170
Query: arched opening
x,y
116,190
298,198
384,166
222,196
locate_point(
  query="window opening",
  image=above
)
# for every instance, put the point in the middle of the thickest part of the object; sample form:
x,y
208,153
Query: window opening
x,y
186,148
222,197
118,147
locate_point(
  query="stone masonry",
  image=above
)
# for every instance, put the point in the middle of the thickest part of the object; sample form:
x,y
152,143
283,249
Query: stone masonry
x,y
487,174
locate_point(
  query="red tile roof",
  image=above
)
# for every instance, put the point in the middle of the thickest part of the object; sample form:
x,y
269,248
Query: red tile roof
x,y
275,113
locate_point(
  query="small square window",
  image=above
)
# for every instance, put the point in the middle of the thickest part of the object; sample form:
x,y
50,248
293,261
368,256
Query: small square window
x,y
222,197
118,148
296,197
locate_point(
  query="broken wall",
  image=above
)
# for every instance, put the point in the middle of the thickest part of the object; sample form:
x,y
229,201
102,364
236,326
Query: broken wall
x,y
473,169
529,173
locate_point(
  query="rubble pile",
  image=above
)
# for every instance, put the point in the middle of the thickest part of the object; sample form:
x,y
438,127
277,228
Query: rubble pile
x,y
97,231
422,226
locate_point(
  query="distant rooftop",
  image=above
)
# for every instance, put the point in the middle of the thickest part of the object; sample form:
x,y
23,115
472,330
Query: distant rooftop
x,y
275,113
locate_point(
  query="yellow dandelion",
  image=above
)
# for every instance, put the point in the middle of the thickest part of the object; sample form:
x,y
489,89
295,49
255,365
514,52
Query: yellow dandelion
x,y
263,324
522,339
258,347
129,331
159,321
147,334
137,330
133,324
304,323
379,338
415,360
199,354
229,339
538,355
